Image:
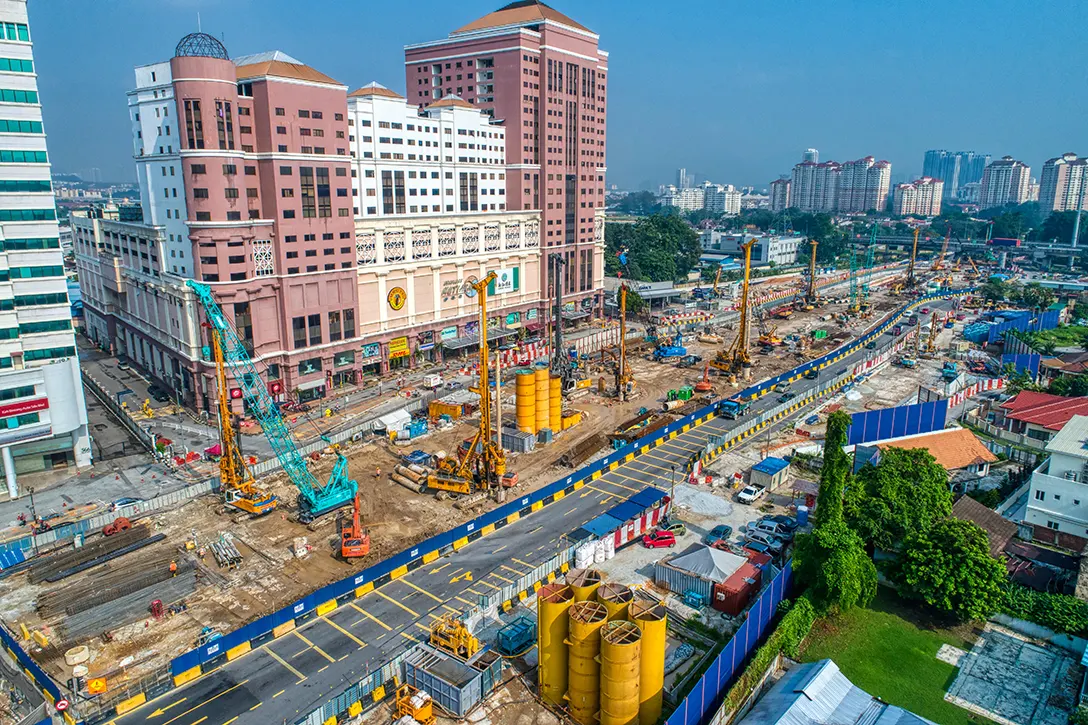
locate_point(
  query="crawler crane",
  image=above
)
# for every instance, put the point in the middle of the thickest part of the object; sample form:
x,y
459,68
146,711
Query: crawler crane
x,y
736,358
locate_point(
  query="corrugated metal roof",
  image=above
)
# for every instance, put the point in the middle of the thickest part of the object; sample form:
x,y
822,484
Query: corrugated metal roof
x,y
818,693
771,466
647,497
1072,439
602,525
625,511
708,563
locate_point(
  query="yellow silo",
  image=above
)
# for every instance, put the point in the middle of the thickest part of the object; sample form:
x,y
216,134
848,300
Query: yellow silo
x,y
555,403
650,618
542,377
584,582
615,598
584,670
553,604
620,654
525,401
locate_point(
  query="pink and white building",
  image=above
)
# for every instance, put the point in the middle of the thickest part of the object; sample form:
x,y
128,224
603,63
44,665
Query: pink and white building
x,y
919,198
545,76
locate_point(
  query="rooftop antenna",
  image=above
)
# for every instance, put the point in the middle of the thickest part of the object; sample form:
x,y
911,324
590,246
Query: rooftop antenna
x,y
198,29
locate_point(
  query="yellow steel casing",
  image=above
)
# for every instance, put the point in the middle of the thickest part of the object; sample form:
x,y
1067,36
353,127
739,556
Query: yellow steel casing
x,y
525,401
542,378
552,627
615,598
584,671
620,673
555,403
650,617
584,583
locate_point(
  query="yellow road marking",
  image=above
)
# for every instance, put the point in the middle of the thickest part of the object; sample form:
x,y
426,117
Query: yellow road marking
x,y
500,576
371,617
523,563
569,512
284,662
210,699
162,710
315,648
496,551
405,634
421,590
602,492
344,632
438,569
455,611
617,483
391,599
228,722
510,568
323,669
258,705
279,693
424,627
464,601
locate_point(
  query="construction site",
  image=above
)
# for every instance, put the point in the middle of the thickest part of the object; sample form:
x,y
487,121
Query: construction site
x,y
119,604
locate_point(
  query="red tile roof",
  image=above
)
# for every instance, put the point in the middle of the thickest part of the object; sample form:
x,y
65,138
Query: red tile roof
x,y
1043,409
521,12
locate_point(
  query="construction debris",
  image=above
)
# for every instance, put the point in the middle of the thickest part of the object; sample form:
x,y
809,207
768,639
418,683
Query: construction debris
x,y
79,596
581,452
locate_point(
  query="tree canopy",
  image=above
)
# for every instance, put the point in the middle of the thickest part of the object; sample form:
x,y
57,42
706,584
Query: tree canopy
x,y
1058,227
906,492
641,203
835,470
949,568
660,247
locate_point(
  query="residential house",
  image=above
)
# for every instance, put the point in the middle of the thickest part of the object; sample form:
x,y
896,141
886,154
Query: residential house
x,y
1058,498
999,530
1037,417
957,450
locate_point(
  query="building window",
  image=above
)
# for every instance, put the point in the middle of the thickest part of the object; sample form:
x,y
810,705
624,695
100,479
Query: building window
x,y
1040,495
298,329
349,323
194,126
334,326
1052,525
225,124
8,95
324,196
306,367
230,193
306,188
314,322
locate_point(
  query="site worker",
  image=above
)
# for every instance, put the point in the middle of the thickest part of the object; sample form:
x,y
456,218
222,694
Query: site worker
x,y
173,568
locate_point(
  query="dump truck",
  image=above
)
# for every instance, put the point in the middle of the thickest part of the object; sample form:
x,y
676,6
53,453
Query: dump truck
x,y
733,409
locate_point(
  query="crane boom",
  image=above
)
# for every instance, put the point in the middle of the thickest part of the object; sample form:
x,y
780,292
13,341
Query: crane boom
x,y
314,499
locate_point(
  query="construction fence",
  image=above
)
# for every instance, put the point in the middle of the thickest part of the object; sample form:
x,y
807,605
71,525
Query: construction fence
x,y
49,688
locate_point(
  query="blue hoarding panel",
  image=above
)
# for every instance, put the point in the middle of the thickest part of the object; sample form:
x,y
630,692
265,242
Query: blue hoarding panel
x,y
1022,363
903,420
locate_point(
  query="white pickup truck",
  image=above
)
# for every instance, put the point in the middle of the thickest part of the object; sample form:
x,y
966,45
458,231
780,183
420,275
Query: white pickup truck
x,y
751,494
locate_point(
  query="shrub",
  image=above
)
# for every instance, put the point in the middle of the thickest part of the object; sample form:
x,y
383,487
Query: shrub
x,y
1059,612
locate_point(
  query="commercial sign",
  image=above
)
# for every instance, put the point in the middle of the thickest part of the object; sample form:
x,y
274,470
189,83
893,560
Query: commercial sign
x,y
275,387
513,319
398,347
23,406
448,333
530,315
451,289
472,328
371,350
506,280
426,340
397,297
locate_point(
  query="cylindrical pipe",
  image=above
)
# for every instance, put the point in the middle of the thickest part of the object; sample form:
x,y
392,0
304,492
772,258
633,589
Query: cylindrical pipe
x,y
542,377
651,619
584,671
615,598
620,673
584,583
525,401
552,628
555,403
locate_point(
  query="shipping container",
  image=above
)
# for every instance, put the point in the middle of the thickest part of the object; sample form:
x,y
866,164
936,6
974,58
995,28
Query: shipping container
x,y
733,595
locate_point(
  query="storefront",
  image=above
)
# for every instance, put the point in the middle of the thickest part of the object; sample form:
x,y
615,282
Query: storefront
x,y
343,365
425,346
311,390
400,355
370,359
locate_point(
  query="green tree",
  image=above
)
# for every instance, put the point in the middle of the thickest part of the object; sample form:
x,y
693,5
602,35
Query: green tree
x,y
1020,381
907,491
1035,296
635,302
639,203
1058,227
835,470
832,562
949,567
659,247
994,290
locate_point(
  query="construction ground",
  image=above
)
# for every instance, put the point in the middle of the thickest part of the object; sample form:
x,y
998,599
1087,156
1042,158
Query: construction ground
x,y
221,570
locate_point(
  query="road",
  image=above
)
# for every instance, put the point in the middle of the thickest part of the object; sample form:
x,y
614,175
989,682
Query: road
x,y
292,675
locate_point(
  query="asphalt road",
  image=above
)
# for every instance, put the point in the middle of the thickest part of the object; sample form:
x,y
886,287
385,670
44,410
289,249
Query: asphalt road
x,y
296,673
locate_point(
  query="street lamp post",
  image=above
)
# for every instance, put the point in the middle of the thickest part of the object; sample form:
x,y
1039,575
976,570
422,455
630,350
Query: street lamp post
x,y
672,488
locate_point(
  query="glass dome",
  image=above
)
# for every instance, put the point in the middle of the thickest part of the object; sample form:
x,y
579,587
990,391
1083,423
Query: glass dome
x,y
200,45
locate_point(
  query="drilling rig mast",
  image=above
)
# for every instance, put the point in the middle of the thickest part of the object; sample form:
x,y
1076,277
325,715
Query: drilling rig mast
x,y
810,295
911,281
736,358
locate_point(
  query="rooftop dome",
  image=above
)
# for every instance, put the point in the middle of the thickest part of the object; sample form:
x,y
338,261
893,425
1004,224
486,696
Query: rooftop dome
x,y
200,45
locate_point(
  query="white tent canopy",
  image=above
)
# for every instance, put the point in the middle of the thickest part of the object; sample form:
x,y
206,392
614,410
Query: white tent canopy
x,y
708,563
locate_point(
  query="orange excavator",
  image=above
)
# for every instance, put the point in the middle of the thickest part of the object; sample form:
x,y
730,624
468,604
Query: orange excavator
x,y
354,541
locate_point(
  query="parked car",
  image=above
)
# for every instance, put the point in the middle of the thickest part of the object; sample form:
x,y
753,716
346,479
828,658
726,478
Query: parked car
x,y
659,540
788,395
771,542
787,523
782,387
751,494
812,374
158,394
718,533
772,528
924,310
122,365
676,529
756,547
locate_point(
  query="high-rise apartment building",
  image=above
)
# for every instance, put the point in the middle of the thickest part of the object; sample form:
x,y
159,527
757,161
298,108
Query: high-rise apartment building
x,y
43,418
780,195
920,198
1005,181
684,199
864,185
545,75
721,198
335,230
1063,185
815,186
812,155
954,169
683,181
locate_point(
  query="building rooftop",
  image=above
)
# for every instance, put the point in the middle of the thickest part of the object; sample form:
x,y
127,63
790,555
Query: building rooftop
x,y
452,101
771,465
954,448
278,64
708,563
374,89
999,530
522,12
1043,409
1072,439
818,692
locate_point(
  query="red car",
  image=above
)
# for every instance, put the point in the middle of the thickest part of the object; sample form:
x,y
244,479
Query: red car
x,y
659,539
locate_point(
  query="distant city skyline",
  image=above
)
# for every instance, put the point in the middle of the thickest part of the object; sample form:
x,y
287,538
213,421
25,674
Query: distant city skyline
x,y
843,108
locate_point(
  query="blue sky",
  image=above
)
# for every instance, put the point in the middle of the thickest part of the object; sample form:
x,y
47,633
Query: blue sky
x,y
732,91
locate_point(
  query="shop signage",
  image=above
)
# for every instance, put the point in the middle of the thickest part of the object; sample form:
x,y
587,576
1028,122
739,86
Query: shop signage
x,y
426,340
371,350
513,319
451,289
397,297
472,328
493,322
568,307
531,314
504,281
275,387
398,347
23,406
448,333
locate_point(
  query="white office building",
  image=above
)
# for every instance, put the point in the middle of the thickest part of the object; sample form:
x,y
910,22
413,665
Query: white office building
x,y
685,199
782,250
1005,181
43,418
1058,499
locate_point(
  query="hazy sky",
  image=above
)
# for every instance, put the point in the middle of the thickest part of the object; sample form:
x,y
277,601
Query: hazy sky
x,y
732,91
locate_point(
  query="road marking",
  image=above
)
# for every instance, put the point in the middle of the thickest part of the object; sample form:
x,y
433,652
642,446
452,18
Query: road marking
x,y
279,693
162,710
405,634
258,705
284,662
371,617
438,569
228,722
455,611
500,576
323,669
508,568
344,632
315,648
210,699
602,492
466,577
421,590
424,627
496,551
391,599
533,531
465,601
569,512
523,563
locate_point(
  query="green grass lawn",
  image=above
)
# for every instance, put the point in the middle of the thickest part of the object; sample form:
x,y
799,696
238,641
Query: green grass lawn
x,y
890,651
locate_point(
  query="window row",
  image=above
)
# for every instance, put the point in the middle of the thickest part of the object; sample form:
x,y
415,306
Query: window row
x,y
9,126
49,353
15,31
31,272
20,420
16,65
27,215
29,185
23,157
30,243
23,391
9,95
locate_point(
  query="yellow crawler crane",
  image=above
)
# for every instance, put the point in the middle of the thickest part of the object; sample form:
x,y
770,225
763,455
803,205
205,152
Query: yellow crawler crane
x,y
736,358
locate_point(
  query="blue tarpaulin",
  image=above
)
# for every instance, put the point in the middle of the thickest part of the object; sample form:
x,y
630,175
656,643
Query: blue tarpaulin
x,y
771,466
602,525
625,511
